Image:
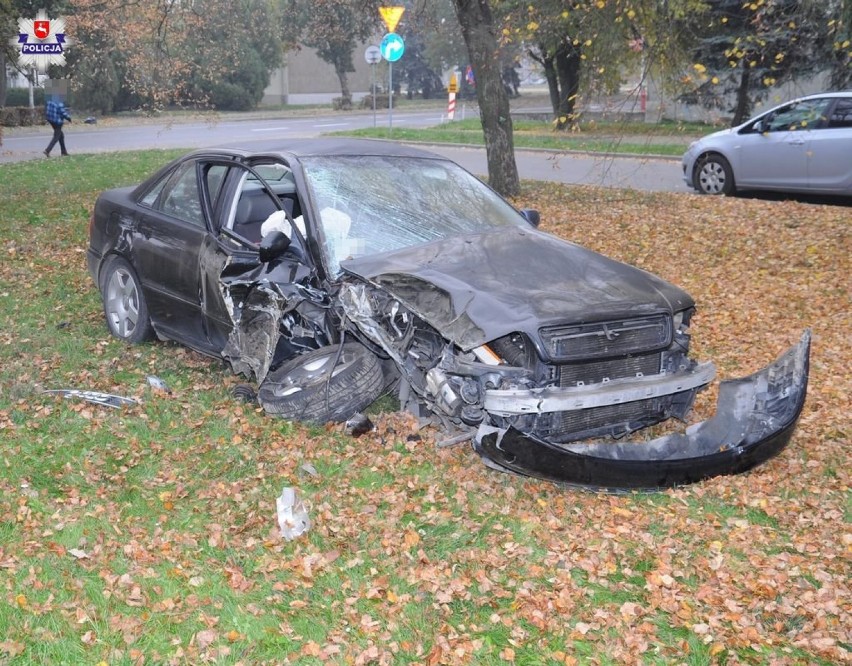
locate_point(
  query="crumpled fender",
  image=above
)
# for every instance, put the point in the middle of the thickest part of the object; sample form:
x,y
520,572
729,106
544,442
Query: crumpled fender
x,y
256,297
754,421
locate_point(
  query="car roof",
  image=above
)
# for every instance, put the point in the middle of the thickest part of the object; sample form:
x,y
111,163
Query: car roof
x,y
835,93
838,94
295,149
325,146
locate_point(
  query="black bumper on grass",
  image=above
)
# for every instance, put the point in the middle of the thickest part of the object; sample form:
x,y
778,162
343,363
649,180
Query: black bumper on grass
x,y
755,419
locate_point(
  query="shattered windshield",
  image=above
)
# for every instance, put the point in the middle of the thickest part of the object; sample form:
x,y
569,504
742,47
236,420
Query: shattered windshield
x,y
371,204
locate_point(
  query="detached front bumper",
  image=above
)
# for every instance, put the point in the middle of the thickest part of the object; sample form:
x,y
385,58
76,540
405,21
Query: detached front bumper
x,y
755,419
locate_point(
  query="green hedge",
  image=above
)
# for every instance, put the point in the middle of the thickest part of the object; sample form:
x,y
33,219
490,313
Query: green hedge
x,y
382,101
21,97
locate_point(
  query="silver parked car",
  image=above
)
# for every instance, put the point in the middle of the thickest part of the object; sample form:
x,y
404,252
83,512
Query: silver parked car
x,y
804,145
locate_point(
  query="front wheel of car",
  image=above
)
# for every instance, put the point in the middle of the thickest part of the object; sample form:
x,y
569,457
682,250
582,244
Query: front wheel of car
x,y
325,385
124,304
714,175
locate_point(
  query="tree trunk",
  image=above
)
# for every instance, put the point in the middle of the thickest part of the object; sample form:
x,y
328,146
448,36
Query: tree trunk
x,y
743,102
345,95
31,75
568,71
841,60
478,31
552,85
2,78
544,59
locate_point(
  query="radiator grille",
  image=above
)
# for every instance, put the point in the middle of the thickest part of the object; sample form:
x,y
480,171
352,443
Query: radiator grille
x,y
607,339
611,420
595,372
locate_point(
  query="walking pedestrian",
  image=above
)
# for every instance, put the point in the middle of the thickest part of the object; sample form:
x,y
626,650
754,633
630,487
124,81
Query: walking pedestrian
x,y
56,114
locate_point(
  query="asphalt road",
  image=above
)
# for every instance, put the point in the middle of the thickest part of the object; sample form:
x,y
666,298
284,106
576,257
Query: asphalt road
x,y
651,174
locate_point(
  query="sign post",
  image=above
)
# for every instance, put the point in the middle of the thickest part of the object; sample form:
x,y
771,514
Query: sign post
x,y
372,55
452,89
392,49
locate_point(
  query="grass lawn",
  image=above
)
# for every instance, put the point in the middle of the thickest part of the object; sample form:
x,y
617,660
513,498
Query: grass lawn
x,y
148,534
596,137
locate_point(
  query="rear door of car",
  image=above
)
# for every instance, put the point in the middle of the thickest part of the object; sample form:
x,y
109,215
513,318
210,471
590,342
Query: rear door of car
x,y
830,151
774,154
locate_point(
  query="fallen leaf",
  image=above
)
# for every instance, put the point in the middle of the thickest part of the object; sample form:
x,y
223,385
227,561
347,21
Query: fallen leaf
x,y
205,638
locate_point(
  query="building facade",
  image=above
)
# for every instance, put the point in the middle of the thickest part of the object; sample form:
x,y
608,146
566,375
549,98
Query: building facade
x,y
305,78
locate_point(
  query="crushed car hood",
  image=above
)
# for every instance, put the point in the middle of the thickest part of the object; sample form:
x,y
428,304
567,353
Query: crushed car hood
x,y
480,287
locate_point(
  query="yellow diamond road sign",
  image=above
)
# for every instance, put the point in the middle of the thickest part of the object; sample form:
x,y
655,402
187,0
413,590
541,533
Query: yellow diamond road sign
x,y
391,16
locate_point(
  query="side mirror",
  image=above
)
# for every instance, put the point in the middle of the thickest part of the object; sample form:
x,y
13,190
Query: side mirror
x,y
273,245
532,216
758,127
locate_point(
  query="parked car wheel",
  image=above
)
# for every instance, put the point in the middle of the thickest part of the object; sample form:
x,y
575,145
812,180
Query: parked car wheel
x,y
311,387
124,305
714,176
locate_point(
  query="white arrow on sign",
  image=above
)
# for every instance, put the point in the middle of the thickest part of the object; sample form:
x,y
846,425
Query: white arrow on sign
x,y
392,47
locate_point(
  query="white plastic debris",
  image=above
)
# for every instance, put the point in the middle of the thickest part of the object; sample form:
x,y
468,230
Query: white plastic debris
x,y
158,384
95,397
308,469
293,519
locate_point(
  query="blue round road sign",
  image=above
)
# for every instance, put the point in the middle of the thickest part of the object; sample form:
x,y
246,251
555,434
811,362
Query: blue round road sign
x,y
392,47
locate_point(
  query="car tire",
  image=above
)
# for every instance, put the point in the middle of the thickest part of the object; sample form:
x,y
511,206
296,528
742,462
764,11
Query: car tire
x,y
713,175
124,304
303,389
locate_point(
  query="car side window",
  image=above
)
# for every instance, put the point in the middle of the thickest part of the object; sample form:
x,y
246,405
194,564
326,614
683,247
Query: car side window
x,y
804,115
255,212
215,176
841,115
151,198
182,199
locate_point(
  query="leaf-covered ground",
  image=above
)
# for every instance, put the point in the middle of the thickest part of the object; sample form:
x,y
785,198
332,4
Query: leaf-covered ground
x,y
147,535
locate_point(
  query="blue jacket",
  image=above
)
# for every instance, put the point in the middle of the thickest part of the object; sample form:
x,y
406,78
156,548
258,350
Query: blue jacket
x,y
55,112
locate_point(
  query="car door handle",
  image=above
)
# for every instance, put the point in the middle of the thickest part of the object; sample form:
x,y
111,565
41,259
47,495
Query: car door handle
x,y
796,142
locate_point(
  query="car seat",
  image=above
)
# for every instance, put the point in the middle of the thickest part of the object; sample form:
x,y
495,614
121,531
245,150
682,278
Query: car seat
x,y
253,208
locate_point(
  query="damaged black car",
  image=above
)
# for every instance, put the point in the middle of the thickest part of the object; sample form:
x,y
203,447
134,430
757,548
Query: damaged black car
x,y
331,271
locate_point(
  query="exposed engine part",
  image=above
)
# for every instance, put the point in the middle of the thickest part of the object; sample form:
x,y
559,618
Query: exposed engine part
x,y
440,390
471,415
515,349
244,393
487,355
